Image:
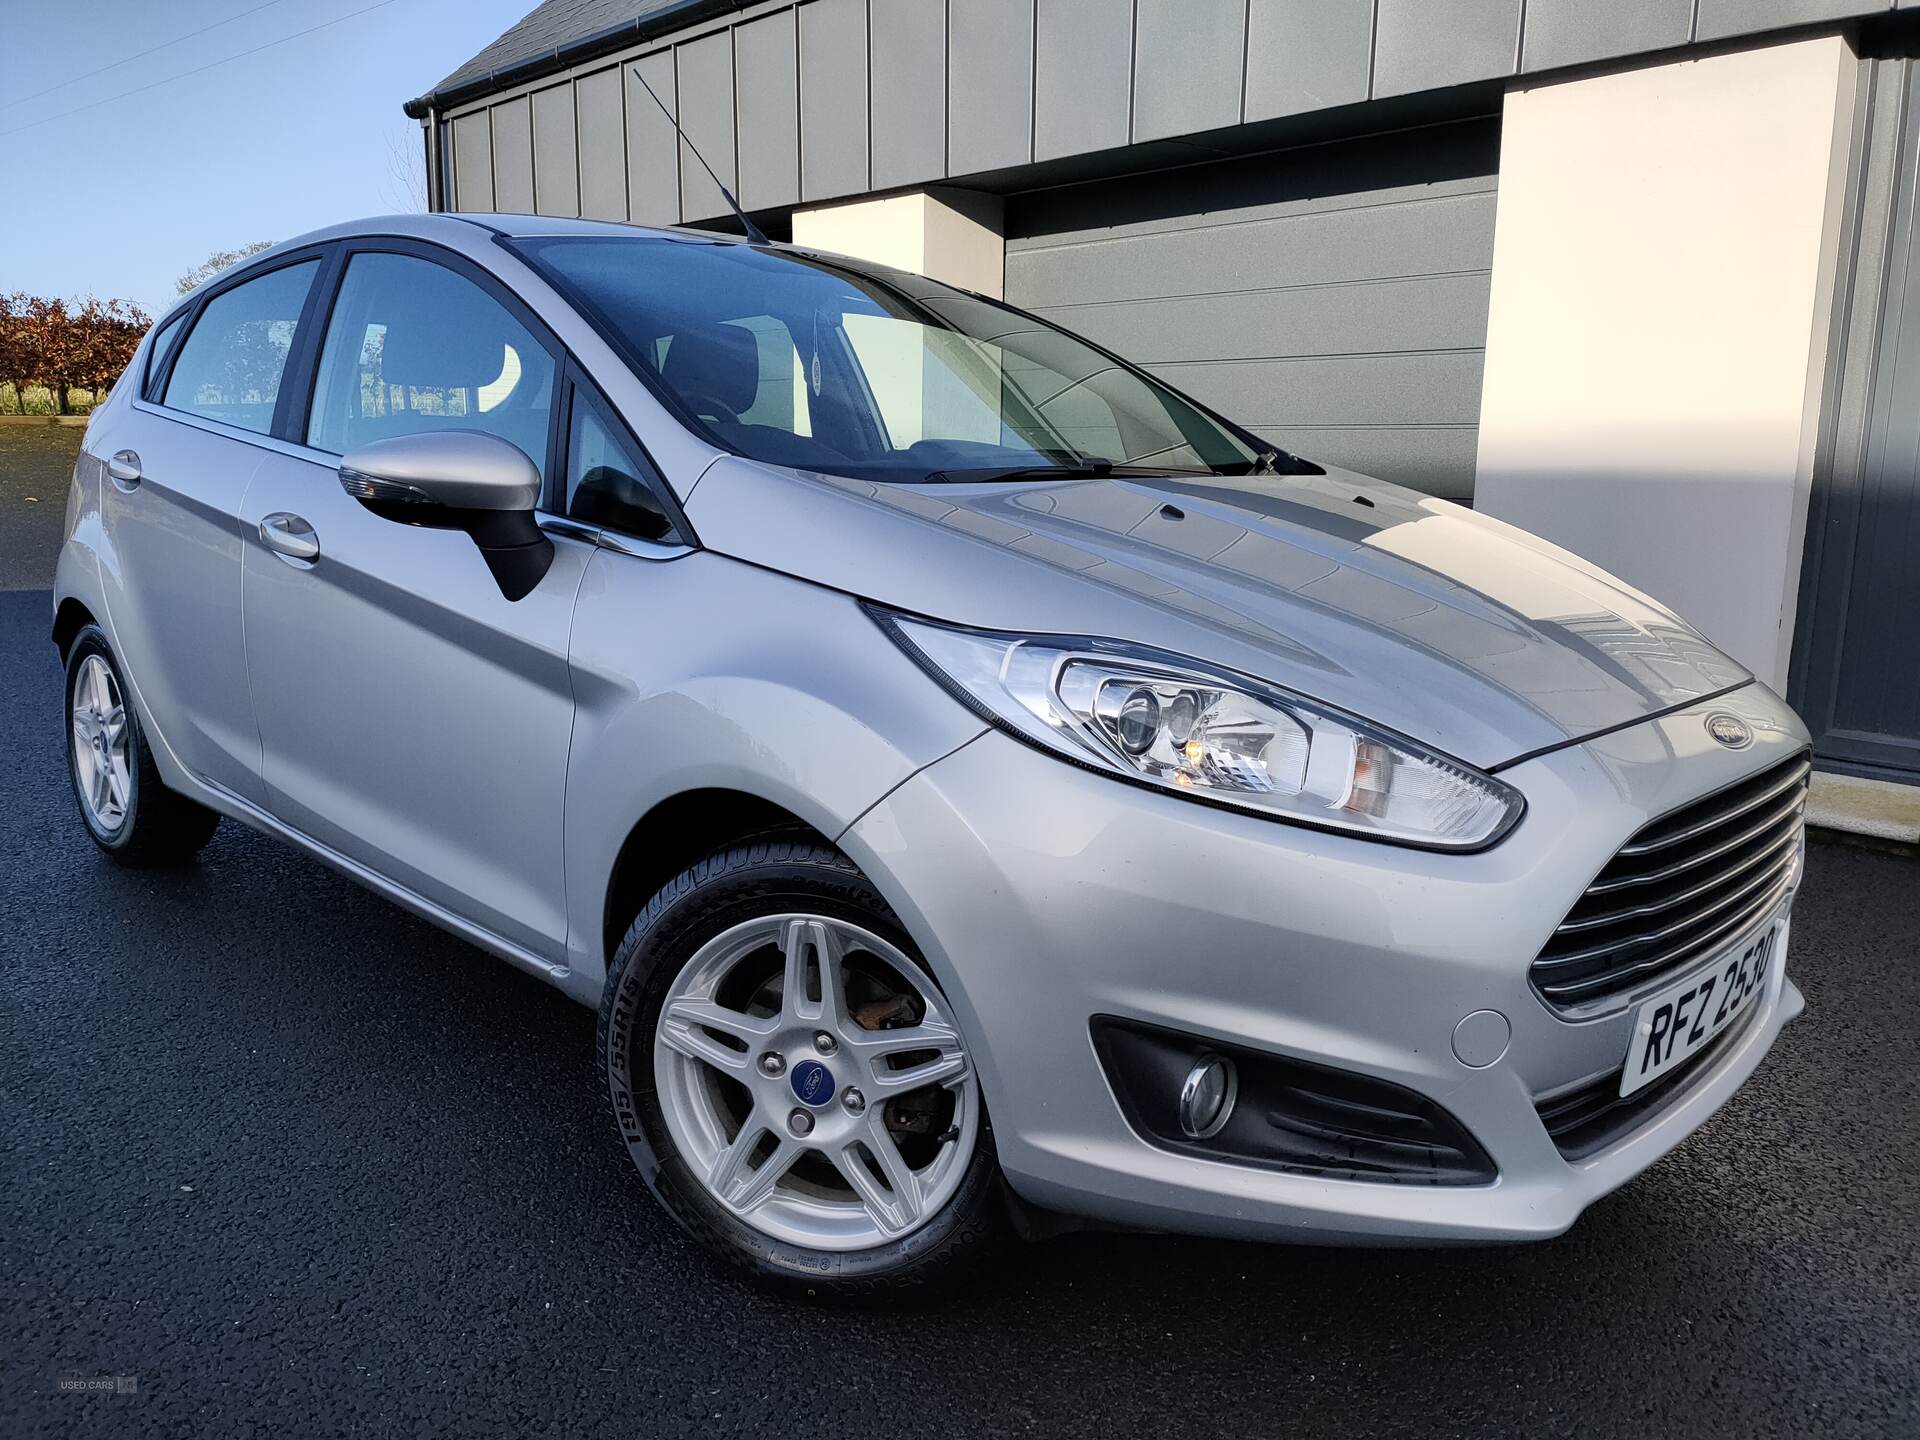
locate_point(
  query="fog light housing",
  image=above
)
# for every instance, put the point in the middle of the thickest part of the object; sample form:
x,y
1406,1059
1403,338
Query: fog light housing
x,y
1279,1113
1207,1096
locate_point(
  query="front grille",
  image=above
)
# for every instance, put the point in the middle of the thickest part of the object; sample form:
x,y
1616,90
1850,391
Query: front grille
x,y
1589,1119
1689,882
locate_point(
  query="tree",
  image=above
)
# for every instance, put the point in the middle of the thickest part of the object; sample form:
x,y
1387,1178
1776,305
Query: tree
x,y
51,332
18,357
61,346
107,332
405,185
214,264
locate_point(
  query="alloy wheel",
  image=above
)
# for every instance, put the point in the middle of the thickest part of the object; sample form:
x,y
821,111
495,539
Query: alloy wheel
x,y
101,765
813,1081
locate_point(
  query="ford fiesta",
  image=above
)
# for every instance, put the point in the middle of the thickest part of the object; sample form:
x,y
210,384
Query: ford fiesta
x,y
981,789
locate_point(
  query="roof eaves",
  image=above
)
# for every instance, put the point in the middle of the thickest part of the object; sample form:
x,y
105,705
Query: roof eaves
x,y
676,16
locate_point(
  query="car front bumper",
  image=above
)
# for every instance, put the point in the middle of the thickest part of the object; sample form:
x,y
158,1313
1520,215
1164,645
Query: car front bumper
x,y
1044,895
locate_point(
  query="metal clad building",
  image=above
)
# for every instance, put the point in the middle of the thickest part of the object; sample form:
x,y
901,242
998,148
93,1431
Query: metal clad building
x,y
1632,274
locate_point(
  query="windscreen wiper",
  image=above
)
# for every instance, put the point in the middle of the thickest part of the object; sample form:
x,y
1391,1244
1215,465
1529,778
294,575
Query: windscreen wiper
x,y
1073,470
1087,469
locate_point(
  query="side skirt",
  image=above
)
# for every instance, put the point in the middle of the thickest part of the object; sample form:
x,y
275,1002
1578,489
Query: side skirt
x,y
247,813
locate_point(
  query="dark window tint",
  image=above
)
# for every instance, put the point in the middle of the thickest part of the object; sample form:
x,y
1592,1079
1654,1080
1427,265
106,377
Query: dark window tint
x,y
230,365
157,355
413,346
606,484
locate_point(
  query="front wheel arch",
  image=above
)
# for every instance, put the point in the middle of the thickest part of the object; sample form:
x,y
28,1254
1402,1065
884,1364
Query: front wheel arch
x,y
671,836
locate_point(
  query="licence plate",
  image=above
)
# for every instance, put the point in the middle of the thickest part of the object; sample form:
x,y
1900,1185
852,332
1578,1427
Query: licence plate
x,y
1672,1027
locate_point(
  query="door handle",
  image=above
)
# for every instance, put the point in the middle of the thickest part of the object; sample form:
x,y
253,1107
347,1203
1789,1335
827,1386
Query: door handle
x,y
290,537
124,467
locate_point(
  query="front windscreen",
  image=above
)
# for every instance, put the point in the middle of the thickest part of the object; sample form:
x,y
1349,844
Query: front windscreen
x,y
804,361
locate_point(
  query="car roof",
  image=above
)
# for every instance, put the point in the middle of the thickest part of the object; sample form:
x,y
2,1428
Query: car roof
x,y
463,229
461,225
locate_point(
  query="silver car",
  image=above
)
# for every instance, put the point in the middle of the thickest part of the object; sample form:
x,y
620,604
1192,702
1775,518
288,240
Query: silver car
x,y
982,790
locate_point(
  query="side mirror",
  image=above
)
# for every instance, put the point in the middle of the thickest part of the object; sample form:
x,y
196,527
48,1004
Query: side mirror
x,y
458,480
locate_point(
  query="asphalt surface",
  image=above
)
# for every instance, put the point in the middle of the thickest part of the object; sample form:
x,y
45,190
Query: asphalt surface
x,y
36,462
297,1162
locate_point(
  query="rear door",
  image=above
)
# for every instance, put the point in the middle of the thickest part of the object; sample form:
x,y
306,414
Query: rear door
x,y
411,718
185,451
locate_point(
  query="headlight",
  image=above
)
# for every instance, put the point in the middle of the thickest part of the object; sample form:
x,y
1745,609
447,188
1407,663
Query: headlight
x,y
1208,734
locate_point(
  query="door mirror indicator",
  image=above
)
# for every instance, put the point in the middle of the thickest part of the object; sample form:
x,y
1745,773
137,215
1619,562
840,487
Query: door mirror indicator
x,y
458,480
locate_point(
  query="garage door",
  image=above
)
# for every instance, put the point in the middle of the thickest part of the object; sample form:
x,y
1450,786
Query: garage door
x,y
1332,298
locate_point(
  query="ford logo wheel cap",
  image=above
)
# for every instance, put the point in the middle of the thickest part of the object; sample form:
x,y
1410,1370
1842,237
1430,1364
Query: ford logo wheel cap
x,y
812,1083
1730,730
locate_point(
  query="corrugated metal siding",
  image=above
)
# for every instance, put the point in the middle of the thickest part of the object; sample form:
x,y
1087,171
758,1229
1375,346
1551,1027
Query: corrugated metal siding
x,y
513,156
1454,40
766,59
706,113
473,161
888,93
603,147
653,166
1332,298
556,162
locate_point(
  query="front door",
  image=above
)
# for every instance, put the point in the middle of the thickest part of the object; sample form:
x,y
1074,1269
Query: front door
x,y
411,717
1856,676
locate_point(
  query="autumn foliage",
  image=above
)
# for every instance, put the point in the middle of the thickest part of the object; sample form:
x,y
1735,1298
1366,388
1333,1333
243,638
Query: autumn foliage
x,y
63,347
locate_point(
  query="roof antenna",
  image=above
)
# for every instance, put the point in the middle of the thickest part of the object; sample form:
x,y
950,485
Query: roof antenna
x,y
754,232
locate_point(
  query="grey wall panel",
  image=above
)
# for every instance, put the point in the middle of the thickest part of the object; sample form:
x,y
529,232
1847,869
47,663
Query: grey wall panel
x,y
1083,67
706,115
1305,54
833,99
556,173
766,74
472,162
513,158
1720,18
1188,60
653,153
1337,390
1425,313
1333,298
1437,236
602,124
1570,32
1428,44
909,78
1439,460
989,85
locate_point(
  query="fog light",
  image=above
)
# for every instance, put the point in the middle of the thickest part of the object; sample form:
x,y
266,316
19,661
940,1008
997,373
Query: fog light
x,y
1207,1096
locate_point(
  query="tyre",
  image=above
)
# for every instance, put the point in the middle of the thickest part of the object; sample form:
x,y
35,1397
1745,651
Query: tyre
x,y
128,809
790,1082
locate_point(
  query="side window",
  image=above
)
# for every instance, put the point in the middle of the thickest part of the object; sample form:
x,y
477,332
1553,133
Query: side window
x,y
606,484
414,346
230,364
157,356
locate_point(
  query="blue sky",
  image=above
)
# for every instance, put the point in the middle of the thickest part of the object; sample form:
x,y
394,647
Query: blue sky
x,y
118,199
